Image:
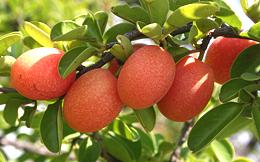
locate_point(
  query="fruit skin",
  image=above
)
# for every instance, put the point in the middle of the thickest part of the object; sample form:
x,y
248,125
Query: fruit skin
x,y
114,66
92,101
222,53
190,92
146,77
35,74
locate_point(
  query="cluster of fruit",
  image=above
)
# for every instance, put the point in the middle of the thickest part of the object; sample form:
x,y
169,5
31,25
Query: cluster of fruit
x,y
149,76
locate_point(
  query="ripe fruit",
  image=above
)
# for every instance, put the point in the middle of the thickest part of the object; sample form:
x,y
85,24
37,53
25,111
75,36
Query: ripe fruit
x,y
222,53
114,64
190,91
92,101
146,77
35,74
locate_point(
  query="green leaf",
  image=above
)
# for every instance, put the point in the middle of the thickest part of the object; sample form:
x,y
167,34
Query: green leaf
x,y
51,127
247,61
28,115
153,31
122,129
227,15
178,52
3,123
4,97
11,111
254,31
216,119
244,5
89,150
123,49
223,150
42,26
147,118
118,147
242,159
147,141
73,58
250,77
239,123
36,120
191,12
253,12
69,30
175,4
101,18
30,42
2,157
7,40
131,14
231,89
79,19
119,29
38,34
256,115
6,63
157,10
93,28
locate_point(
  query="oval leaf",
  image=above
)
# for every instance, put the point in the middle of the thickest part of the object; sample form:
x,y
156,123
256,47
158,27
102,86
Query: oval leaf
x,y
223,150
216,119
231,89
191,12
101,18
51,127
131,14
38,34
8,39
89,150
73,58
68,30
118,148
250,77
256,116
122,129
147,118
11,111
119,29
247,61
157,10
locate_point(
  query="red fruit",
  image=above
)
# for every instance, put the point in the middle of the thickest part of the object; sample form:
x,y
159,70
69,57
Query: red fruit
x,y
146,77
35,74
190,91
114,64
222,53
92,101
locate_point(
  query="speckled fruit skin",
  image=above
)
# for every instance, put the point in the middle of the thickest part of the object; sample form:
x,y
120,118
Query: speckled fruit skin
x,y
190,92
114,64
146,77
35,74
222,53
92,101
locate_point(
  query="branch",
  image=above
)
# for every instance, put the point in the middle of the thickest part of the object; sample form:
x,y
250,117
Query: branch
x,y
175,156
26,146
7,90
107,56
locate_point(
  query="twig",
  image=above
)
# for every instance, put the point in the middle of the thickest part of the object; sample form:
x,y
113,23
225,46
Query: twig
x,y
105,59
107,56
175,156
7,90
26,146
